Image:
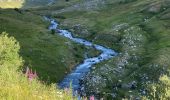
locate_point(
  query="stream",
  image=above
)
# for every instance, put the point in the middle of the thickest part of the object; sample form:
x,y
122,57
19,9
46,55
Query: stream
x,y
80,70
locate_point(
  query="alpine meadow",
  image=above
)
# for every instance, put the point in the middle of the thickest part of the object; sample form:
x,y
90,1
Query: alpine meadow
x,y
84,50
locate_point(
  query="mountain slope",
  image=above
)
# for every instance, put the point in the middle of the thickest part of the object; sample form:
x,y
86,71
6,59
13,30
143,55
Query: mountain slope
x,y
48,54
137,29
25,3
14,84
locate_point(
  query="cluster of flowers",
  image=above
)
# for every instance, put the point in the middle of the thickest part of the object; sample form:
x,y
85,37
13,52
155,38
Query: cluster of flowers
x,y
30,74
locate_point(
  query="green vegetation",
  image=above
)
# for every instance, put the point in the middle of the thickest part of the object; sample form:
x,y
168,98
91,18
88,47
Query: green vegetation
x,y
51,55
137,29
160,91
14,84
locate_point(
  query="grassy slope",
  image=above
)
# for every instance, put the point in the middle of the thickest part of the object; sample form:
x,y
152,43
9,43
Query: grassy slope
x,y
10,4
52,56
14,84
145,18
152,50
24,3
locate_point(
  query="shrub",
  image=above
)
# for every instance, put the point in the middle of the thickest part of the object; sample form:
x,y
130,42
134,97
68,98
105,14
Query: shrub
x,y
159,90
14,85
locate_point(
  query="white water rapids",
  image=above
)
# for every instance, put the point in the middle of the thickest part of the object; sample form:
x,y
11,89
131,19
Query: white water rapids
x,y
80,70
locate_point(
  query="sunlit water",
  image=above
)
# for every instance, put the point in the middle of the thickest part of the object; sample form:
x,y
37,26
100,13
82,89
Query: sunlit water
x,y
80,70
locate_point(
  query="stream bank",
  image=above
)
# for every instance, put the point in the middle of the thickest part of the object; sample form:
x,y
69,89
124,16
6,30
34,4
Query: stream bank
x,y
80,70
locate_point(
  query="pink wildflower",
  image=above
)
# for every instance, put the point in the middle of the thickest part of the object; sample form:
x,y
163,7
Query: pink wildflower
x,y
30,74
91,97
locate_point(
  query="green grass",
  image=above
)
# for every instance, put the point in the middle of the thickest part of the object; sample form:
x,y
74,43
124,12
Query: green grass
x,y
137,27
51,55
14,84
152,49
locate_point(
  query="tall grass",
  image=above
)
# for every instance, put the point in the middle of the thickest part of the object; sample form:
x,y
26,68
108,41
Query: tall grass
x,y
14,85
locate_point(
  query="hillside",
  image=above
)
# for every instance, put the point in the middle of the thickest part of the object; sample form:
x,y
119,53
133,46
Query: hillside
x,y
24,3
39,48
137,29
14,84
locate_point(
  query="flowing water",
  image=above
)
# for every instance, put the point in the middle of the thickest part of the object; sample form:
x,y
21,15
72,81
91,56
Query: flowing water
x,y
82,69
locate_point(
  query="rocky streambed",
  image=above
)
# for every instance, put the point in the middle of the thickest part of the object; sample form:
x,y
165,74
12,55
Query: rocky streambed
x,y
80,70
